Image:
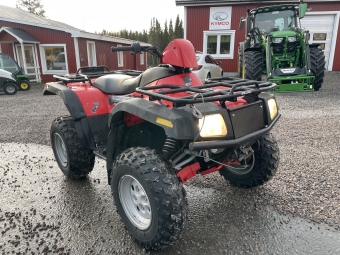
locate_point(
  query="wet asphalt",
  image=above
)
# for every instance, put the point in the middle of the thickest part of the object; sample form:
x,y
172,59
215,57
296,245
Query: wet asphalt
x,y
43,212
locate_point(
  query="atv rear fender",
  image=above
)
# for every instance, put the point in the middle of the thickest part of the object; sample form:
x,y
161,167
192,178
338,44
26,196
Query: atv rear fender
x,y
76,111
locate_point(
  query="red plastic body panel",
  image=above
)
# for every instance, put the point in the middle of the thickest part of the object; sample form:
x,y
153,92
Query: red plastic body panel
x,y
180,52
131,120
92,99
188,172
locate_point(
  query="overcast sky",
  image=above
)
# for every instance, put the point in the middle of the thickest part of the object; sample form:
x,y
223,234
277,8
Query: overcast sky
x,y
111,15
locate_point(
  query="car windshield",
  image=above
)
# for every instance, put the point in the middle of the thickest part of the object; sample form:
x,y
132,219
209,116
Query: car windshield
x,y
282,20
7,63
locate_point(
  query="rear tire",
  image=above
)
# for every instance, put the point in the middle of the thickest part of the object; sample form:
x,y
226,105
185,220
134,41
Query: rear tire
x,y
149,198
10,89
317,57
24,85
262,166
74,160
252,65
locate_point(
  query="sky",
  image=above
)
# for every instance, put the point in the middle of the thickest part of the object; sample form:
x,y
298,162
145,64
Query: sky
x,y
111,15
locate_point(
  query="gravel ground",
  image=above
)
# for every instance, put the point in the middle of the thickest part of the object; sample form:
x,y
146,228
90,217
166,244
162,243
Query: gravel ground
x,y
306,184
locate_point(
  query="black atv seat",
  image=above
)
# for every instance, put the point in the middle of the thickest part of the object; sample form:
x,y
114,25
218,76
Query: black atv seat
x,y
121,84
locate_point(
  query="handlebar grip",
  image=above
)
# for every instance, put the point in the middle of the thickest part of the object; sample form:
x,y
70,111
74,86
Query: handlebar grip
x,y
122,48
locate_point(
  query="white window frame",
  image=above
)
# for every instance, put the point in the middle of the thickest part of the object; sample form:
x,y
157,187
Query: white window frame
x,y
43,59
88,43
218,34
120,56
141,60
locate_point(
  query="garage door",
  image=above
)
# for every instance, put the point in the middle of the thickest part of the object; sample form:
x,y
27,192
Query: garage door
x,y
321,31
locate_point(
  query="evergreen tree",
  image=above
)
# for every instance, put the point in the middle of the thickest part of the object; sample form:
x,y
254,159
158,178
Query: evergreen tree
x,y
179,31
31,6
171,31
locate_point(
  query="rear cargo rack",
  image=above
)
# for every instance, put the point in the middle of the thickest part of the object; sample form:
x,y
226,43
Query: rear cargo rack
x,y
209,92
85,74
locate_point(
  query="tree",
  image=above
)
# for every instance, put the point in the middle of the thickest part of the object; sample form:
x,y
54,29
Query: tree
x,y
31,6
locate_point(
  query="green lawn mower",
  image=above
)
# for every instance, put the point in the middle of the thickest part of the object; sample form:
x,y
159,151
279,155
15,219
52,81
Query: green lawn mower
x,y
9,64
276,46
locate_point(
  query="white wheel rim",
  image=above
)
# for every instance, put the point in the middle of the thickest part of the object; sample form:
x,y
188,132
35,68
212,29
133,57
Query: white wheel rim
x,y
60,149
135,202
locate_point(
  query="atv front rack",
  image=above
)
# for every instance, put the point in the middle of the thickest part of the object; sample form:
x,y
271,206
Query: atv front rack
x,y
232,88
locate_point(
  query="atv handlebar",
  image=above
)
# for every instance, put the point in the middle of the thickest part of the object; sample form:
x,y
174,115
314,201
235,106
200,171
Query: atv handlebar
x,y
137,48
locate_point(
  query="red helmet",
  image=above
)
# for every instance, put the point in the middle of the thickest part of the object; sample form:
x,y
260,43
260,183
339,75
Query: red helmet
x,y
180,52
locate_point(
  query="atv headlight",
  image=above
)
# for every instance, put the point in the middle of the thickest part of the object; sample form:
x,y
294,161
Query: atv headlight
x,y
277,40
212,126
291,39
272,108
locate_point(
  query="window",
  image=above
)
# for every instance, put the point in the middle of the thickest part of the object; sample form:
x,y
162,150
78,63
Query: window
x,y
120,57
141,58
219,44
91,54
53,58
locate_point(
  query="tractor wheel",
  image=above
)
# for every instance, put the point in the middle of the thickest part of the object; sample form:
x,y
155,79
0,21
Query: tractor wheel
x,y
24,85
10,89
252,69
149,198
317,57
74,160
257,169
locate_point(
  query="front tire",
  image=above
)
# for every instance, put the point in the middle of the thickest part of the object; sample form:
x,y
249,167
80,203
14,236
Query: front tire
x,y
259,168
74,160
149,198
10,89
252,69
317,58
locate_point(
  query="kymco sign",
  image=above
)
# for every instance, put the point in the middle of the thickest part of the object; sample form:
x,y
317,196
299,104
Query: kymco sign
x,y
220,18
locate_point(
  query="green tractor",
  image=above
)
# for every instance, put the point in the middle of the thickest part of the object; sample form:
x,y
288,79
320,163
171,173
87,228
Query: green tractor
x,y
9,64
276,46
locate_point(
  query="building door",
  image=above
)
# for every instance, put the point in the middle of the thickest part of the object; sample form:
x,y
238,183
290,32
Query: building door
x,y
321,29
30,56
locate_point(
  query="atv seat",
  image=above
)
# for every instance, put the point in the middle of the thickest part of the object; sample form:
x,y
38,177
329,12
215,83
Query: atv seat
x,y
118,84
121,84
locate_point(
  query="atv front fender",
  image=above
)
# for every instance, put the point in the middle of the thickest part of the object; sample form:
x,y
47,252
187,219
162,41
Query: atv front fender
x,y
175,122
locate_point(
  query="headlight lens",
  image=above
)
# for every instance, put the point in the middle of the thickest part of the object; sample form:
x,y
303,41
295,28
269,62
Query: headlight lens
x,y
291,39
212,126
277,40
272,108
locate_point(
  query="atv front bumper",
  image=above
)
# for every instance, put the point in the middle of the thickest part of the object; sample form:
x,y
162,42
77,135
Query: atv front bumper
x,y
206,145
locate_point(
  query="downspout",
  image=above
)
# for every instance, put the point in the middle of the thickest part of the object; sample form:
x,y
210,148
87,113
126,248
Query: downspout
x,y
76,50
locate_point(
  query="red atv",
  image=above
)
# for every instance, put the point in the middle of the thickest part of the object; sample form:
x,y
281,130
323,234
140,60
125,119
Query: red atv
x,y
159,128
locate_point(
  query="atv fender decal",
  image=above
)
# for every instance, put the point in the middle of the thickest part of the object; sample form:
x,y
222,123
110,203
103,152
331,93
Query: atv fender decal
x,y
95,107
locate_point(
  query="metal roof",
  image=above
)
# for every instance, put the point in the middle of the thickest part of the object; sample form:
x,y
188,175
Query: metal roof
x,y
14,15
20,35
215,2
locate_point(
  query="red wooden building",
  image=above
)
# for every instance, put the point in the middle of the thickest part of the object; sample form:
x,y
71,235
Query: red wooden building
x,y
44,47
200,26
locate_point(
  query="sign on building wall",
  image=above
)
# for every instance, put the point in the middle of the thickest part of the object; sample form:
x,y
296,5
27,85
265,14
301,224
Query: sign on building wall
x,y
220,18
